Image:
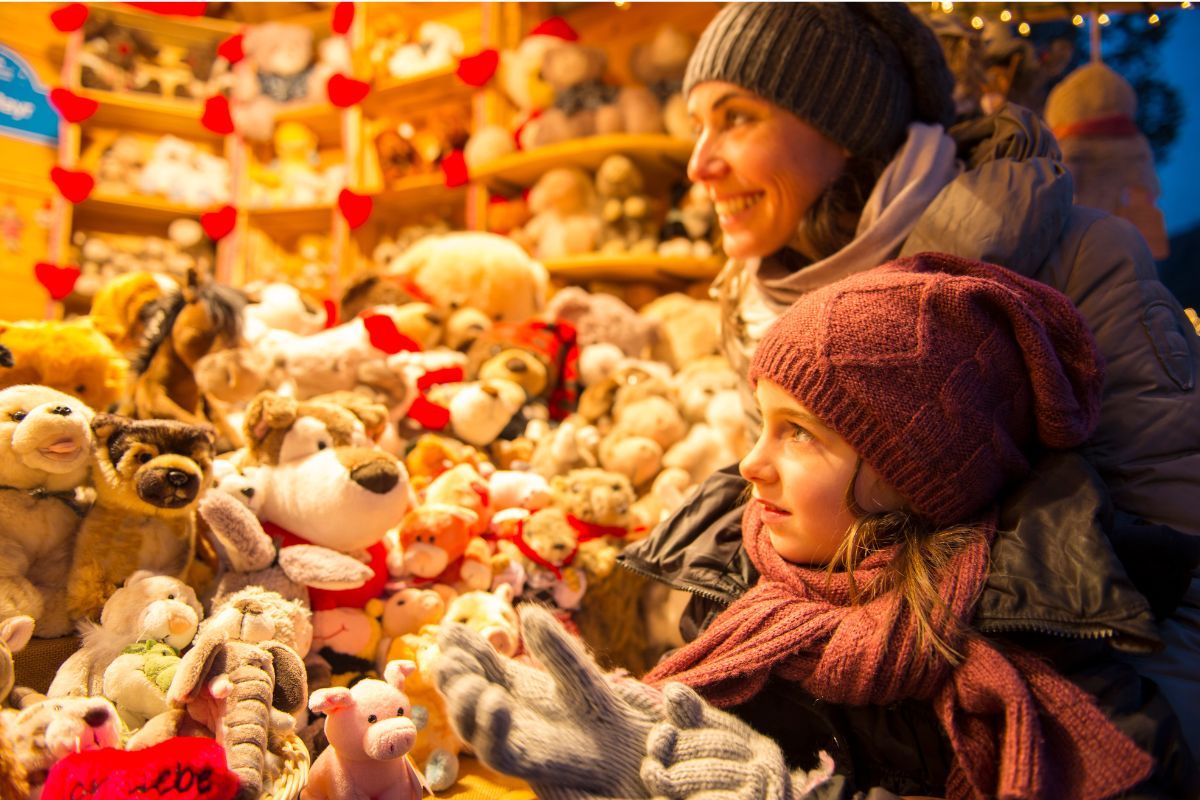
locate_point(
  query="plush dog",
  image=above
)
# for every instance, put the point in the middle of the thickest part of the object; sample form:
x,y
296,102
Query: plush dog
x,y
72,357
45,450
325,484
148,475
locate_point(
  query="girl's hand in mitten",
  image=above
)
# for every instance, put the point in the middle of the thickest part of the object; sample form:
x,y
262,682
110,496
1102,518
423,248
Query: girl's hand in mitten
x,y
570,731
702,752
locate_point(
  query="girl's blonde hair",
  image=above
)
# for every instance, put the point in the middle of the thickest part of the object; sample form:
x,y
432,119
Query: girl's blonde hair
x,y
922,555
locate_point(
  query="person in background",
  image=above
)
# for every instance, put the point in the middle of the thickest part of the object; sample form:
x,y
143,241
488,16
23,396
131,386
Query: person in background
x,y
903,635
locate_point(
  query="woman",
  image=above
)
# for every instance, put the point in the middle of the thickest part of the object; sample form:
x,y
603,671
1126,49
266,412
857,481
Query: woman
x,y
901,633
822,141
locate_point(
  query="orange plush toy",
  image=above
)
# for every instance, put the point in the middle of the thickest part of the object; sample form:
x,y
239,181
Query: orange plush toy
x,y
439,550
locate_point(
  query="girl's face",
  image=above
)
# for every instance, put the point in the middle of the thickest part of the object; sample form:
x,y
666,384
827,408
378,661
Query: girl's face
x,y
762,166
800,469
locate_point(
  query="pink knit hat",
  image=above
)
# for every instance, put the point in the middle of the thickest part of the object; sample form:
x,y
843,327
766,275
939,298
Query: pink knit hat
x,y
942,373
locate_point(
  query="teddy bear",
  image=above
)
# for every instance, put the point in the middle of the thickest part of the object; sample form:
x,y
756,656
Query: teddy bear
x,y
244,680
576,75
688,328
536,556
407,610
147,608
370,732
564,218
642,432
719,440
45,456
279,69
482,411
667,493
599,318
540,357
484,271
518,489
326,484
438,548
433,454
632,379
73,357
570,445
148,475
698,382
463,486
659,65
436,46
625,208
690,227
47,730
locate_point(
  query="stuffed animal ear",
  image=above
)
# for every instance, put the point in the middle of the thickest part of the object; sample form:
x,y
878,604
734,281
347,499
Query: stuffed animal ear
x,y
138,576
105,425
269,412
16,632
396,671
192,669
291,682
505,592
327,701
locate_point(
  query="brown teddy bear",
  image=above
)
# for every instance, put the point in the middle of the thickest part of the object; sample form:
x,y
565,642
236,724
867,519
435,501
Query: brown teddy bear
x,y
659,65
540,357
628,212
148,476
564,222
576,74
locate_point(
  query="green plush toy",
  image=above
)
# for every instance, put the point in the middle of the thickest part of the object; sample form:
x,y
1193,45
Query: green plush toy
x,y
137,680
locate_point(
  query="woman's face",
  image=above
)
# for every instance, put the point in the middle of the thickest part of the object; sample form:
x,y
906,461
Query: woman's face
x,y
762,166
800,469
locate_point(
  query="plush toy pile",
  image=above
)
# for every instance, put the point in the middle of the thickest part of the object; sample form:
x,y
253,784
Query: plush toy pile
x,y
267,535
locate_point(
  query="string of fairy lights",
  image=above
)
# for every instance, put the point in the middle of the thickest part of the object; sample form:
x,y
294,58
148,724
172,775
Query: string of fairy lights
x,y
1100,16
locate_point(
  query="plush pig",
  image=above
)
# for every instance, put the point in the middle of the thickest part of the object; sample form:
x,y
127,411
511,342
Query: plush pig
x,y
370,732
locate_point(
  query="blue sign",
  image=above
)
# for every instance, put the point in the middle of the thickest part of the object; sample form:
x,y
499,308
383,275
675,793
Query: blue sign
x,y
25,110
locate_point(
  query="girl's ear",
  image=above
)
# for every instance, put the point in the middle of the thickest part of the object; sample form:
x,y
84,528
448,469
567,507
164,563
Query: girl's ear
x,y
874,495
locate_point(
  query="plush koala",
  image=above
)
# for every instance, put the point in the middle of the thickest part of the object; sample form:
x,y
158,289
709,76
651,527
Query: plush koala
x,y
148,607
45,452
149,475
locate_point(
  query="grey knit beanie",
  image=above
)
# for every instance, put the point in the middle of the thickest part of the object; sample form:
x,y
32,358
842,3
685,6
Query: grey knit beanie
x,y
858,72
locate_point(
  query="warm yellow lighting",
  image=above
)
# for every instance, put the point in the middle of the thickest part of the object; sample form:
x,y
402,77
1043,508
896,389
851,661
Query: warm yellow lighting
x,y
1103,19
621,3
1077,20
1006,16
1153,19
947,6
977,23
1024,29
1185,4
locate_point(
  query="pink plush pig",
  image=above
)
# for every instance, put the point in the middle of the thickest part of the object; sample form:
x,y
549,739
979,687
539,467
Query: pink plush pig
x,y
370,732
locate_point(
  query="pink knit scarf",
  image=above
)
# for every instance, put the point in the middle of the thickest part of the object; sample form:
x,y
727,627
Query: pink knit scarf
x,y
1018,728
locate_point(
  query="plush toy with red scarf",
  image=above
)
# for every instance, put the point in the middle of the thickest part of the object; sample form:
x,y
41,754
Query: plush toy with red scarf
x,y
540,357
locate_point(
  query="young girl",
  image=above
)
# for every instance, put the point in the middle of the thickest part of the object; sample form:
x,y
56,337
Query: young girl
x,y
896,634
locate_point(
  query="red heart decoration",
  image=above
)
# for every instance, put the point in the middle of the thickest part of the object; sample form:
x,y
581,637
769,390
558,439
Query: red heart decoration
x,y
75,185
478,69
231,49
344,92
70,17
217,224
216,117
181,768
71,106
356,208
59,281
331,313
428,414
343,17
385,336
454,169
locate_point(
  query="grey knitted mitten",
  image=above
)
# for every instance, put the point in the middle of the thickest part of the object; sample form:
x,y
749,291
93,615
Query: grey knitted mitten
x,y
702,752
570,731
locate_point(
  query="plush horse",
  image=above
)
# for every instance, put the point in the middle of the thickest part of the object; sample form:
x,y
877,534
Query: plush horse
x,y
183,327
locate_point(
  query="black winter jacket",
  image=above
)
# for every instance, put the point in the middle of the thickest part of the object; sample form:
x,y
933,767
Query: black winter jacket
x,y
1055,588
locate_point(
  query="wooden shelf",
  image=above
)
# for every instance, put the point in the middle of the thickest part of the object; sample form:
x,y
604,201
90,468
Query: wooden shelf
x,y
161,26
417,196
146,112
324,119
417,93
120,212
660,157
292,221
626,267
